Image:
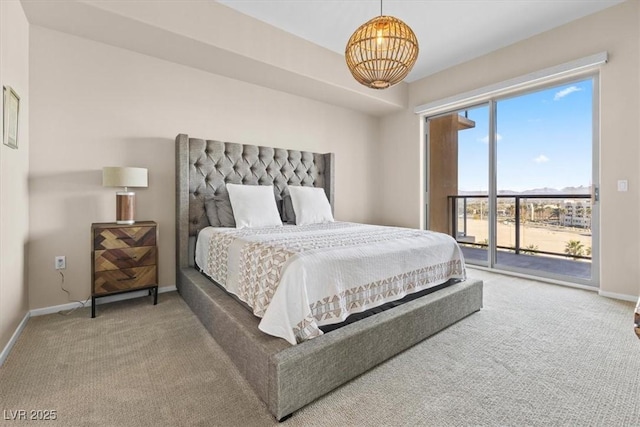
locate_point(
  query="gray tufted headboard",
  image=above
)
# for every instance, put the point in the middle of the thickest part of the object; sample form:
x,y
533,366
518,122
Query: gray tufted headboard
x,y
203,167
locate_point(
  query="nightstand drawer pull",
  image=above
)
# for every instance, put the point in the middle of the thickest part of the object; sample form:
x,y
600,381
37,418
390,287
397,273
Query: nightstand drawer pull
x,y
127,258
128,278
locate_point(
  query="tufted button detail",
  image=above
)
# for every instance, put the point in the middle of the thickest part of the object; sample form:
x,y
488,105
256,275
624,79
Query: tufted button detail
x,y
195,193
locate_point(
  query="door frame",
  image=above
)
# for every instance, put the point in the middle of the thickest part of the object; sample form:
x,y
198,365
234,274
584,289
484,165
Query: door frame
x,y
491,101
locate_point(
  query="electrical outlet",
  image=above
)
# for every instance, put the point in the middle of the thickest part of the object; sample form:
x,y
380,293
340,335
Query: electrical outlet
x,y
61,262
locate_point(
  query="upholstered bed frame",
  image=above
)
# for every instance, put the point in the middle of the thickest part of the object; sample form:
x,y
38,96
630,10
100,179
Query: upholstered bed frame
x,y
288,377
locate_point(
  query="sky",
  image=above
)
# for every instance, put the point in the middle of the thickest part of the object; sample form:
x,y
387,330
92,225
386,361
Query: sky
x,y
544,140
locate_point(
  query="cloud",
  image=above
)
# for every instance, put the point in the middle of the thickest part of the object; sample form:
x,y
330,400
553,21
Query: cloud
x,y
486,138
541,159
564,92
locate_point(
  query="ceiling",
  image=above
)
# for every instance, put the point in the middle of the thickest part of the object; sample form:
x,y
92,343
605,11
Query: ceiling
x,y
449,31
228,41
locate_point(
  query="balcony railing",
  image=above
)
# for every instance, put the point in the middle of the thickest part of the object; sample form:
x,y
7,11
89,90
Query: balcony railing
x,y
460,206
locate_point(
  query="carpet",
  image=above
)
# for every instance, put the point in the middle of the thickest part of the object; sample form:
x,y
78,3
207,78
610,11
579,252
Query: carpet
x,y
536,354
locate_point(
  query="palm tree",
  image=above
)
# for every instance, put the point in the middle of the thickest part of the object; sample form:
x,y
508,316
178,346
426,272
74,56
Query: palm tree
x,y
563,213
539,211
530,249
508,210
574,248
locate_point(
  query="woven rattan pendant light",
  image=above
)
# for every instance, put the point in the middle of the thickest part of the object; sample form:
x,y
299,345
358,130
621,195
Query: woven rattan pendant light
x,y
381,52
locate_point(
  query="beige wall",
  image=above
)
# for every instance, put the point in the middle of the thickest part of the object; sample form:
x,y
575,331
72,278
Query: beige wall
x,y
614,30
95,105
14,169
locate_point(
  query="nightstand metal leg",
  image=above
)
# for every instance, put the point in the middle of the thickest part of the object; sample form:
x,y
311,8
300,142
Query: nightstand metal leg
x,y
155,295
93,307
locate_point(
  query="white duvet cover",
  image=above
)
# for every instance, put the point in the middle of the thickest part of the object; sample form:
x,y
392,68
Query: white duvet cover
x,y
297,278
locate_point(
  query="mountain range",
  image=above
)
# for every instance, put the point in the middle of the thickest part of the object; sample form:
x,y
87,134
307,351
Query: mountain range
x,y
581,190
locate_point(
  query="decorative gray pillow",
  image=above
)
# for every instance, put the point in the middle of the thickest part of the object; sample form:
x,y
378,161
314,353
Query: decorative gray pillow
x,y
212,212
225,213
280,206
288,214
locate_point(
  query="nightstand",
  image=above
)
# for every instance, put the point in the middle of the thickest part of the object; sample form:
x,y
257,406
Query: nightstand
x,y
124,258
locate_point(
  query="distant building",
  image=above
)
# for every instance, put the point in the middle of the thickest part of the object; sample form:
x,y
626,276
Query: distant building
x,y
576,213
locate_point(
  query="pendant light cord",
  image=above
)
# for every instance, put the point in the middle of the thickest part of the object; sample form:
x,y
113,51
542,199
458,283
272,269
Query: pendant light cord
x,y
380,7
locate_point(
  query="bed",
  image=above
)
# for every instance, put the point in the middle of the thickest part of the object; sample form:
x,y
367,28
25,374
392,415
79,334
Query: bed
x,y
288,375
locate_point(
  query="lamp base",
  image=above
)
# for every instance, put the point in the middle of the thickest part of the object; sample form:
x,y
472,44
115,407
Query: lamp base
x,y
125,201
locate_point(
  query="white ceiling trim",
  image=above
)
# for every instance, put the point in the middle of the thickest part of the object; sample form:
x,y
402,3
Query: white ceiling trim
x,y
483,94
450,32
214,38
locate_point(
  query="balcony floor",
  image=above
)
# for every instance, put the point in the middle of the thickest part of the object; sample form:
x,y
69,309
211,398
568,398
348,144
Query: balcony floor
x,y
565,267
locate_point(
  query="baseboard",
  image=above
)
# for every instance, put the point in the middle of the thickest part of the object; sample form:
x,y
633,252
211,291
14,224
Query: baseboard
x,y
613,295
534,278
14,338
623,297
104,300
69,306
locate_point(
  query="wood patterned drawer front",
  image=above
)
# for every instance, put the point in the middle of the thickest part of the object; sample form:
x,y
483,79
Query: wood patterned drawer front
x,y
123,258
124,237
114,259
125,279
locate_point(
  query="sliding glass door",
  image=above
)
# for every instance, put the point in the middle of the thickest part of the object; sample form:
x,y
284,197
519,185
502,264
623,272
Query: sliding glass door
x,y
518,176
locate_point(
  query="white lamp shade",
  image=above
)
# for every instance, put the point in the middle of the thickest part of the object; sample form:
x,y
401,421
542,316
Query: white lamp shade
x,y
124,177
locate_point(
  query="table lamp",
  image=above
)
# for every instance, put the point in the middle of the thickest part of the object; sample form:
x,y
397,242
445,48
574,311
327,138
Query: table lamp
x,y
124,177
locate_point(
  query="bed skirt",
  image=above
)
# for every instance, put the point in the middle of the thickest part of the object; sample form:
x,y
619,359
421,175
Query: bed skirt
x,y
288,377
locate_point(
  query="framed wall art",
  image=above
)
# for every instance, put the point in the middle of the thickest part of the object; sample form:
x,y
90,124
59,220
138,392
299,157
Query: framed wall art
x,y
11,102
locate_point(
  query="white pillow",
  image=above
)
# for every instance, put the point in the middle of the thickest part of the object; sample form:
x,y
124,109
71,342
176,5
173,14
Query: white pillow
x,y
310,205
253,205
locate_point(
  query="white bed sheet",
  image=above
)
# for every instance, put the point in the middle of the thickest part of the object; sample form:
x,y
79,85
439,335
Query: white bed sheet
x,y
297,278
